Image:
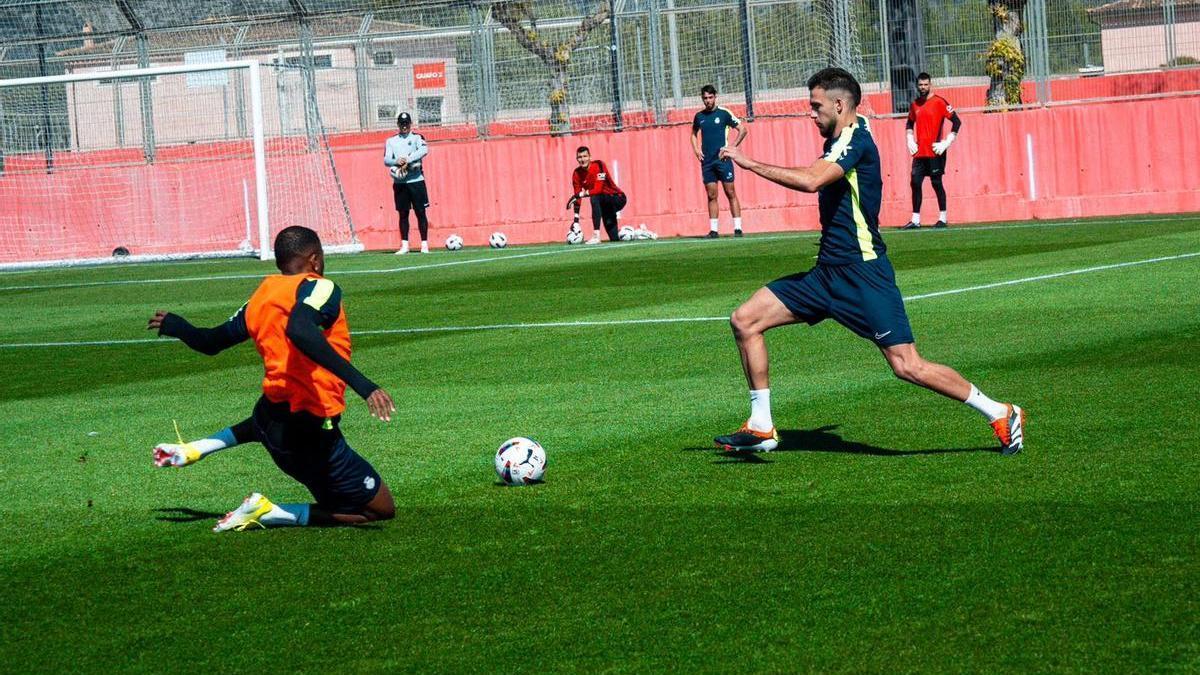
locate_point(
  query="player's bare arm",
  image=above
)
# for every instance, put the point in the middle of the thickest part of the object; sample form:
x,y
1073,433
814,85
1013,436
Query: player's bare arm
x,y
696,145
804,179
743,131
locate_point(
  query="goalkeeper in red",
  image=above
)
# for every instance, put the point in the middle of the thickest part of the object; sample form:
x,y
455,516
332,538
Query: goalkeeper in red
x,y
298,325
592,179
926,117
853,282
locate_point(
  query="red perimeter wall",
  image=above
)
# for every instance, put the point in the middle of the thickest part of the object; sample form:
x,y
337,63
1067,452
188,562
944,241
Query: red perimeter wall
x,y
1089,160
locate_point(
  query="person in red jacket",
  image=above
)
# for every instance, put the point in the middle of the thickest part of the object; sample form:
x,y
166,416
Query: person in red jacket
x,y
592,179
926,117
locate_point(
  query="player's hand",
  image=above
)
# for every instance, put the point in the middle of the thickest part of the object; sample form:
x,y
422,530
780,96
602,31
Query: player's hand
x,y
380,405
571,201
156,321
402,162
735,153
700,156
942,146
912,145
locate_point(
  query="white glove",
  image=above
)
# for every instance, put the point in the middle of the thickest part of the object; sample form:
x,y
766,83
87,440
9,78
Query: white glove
x,y
941,146
912,145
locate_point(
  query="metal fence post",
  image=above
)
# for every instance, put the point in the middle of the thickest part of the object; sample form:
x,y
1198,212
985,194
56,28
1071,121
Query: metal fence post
x,y
673,45
615,66
1037,45
748,57
143,50
656,65
1168,9
308,67
362,56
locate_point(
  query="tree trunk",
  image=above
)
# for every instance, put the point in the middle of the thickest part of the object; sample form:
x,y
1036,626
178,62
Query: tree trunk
x,y
560,110
1004,60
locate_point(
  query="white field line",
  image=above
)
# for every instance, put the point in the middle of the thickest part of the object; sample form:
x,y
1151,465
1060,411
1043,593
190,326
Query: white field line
x,y
626,322
555,251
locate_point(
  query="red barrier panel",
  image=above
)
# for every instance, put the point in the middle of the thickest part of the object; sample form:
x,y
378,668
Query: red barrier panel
x,y
1088,160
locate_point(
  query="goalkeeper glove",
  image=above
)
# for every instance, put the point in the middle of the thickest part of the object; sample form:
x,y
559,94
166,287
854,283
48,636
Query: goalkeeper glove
x,y
940,147
912,144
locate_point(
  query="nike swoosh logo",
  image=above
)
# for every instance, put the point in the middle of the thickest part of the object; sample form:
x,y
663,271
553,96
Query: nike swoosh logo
x,y
880,336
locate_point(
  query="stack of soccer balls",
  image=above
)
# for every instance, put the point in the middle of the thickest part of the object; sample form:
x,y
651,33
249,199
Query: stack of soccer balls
x,y
454,242
628,233
497,240
520,461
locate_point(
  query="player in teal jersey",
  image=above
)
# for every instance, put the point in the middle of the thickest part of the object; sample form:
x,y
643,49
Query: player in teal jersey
x,y
710,133
853,282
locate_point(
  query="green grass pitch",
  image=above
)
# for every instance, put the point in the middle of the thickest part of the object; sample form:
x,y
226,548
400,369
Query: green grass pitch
x,y
888,535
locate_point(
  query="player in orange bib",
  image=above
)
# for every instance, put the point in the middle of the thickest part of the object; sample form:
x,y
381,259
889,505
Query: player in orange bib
x,y
299,328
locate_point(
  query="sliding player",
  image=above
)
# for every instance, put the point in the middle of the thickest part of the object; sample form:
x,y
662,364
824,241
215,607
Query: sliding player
x,y
299,327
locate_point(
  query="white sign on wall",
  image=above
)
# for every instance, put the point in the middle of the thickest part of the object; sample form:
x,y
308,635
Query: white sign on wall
x,y
210,78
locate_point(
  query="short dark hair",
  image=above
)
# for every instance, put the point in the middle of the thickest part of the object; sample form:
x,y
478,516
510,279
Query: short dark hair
x,y
708,89
836,78
582,148
293,243
924,76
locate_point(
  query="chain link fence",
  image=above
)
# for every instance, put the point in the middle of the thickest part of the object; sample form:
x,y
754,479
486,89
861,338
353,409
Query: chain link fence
x,y
489,68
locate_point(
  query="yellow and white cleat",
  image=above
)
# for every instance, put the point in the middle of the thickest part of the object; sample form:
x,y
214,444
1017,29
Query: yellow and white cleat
x,y
245,516
176,454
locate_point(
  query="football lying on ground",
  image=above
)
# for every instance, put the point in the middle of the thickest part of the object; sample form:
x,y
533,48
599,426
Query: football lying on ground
x,y
454,242
625,233
497,240
520,461
574,237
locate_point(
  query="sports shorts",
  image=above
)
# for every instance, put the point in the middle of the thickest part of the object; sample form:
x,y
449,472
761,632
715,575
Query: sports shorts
x,y
861,296
929,166
409,196
717,171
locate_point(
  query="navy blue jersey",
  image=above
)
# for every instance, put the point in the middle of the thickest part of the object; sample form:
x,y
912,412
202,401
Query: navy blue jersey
x,y
850,206
714,130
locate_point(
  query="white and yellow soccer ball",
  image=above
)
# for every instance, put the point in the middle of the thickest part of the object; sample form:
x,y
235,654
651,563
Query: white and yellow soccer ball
x,y
520,461
454,242
398,172
574,237
625,233
497,240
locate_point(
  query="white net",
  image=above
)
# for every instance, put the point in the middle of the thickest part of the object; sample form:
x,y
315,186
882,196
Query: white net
x,y
160,166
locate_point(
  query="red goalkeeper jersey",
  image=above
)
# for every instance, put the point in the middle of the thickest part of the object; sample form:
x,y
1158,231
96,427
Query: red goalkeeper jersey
x,y
928,117
595,179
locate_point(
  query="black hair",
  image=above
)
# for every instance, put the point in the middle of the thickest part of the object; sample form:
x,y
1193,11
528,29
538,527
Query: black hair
x,y
924,76
708,89
836,78
293,243
582,148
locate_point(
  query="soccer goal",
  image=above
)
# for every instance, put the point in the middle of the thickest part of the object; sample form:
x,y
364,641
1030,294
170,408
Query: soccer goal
x,y
185,161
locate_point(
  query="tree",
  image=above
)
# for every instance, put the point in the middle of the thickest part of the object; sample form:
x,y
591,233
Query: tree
x,y
519,18
1004,61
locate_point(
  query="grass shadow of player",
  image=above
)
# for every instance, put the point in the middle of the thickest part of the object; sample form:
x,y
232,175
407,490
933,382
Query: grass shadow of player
x,y
824,439
180,514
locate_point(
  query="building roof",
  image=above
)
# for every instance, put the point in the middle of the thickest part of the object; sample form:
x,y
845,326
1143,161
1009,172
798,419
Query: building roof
x,y
220,34
1136,5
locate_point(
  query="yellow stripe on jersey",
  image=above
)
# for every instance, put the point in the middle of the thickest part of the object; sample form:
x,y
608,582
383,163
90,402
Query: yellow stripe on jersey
x,y
865,243
841,145
320,294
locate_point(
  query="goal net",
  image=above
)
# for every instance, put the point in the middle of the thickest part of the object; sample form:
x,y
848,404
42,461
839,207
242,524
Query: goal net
x,y
186,161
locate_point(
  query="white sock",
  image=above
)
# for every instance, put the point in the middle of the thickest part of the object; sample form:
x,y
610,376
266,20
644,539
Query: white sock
x,y
760,410
424,247
942,216
712,224
285,515
992,410
916,218
737,223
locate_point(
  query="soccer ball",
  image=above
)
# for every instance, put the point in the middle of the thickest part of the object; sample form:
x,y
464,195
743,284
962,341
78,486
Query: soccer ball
x,y
454,242
497,240
398,173
520,461
625,233
574,237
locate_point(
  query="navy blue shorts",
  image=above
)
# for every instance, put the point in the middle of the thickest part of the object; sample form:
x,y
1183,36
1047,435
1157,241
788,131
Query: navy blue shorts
x,y
313,451
717,171
862,297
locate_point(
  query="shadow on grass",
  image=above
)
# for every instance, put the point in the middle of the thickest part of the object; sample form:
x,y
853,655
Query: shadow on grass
x,y
180,514
824,439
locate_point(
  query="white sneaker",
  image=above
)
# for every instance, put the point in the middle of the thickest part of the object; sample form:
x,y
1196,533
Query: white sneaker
x,y
245,516
593,240
403,249
424,247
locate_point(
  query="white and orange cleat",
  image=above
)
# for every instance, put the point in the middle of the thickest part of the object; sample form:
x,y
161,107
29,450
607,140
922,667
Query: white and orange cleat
x,y
1010,430
749,440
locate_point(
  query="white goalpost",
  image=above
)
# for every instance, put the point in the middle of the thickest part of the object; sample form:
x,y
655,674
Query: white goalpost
x,y
170,162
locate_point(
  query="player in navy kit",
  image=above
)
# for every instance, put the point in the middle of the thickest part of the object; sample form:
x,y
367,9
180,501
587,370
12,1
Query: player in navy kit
x,y
853,282
710,133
